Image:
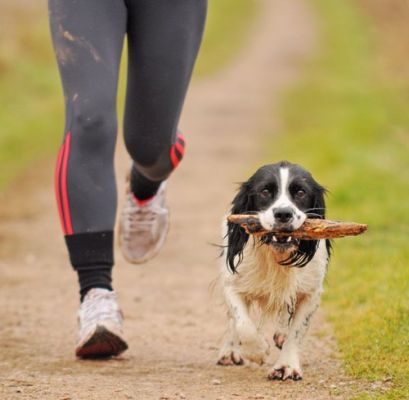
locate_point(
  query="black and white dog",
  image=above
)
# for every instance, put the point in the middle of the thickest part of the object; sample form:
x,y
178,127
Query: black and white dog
x,y
281,277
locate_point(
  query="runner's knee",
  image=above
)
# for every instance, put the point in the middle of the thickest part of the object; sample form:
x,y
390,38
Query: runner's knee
x,y
94,128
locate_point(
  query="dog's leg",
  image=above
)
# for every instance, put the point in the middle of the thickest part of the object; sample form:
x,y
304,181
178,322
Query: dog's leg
x,y
282,324
230,351
244,338
288,364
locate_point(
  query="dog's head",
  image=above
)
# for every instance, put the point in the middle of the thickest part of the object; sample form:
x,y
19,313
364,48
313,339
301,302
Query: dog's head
x,y
283,195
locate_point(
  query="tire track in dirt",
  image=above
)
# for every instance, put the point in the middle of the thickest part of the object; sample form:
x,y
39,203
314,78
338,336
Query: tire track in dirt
x,y
174,319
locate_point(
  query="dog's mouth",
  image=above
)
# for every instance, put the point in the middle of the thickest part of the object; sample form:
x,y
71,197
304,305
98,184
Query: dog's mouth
x,y
281,243
282,247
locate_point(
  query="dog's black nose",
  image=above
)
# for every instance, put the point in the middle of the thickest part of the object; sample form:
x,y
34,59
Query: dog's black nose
x,y
283,214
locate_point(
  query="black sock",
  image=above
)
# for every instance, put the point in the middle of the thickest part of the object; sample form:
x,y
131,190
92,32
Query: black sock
x,y
94,277
142,187
91,255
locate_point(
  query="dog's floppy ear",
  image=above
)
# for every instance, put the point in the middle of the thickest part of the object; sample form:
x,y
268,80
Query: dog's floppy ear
x,y
319,206
319,200
236,235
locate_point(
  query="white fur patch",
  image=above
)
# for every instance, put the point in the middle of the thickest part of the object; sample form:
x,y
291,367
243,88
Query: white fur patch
x,y
267,218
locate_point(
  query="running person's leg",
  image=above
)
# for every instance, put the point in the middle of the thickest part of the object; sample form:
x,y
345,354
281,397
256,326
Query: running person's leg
x,y
163,38
88,39
88,36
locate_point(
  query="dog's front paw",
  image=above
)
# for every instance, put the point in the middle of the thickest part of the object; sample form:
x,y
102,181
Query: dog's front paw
x,y
283,372
255,349
230,353
232,358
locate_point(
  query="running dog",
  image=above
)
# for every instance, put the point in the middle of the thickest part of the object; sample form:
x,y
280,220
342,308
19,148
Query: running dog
x,y
280,277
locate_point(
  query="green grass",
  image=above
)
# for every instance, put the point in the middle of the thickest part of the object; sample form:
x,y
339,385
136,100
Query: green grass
x,y
349,125
227,26
31,113
31,116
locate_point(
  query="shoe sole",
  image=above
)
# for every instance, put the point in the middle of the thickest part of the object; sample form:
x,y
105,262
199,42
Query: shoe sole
x,y
102,344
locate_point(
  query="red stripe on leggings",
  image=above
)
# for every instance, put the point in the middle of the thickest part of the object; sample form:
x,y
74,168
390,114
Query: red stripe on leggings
x,y
180,148
173,157
177,150
64,190
57,186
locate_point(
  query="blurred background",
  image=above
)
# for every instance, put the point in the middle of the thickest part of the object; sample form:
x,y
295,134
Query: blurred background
x,y
346,119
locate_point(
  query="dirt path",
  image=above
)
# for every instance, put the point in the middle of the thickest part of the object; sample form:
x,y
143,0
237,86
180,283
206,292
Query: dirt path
x,y
174,320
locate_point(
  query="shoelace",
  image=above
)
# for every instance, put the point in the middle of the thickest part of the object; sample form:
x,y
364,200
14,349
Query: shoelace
x,y
100,306
140,219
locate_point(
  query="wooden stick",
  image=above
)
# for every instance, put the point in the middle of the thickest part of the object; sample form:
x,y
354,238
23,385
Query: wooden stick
x,y
311,229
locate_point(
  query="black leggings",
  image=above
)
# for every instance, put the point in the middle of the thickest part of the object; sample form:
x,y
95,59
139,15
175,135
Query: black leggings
x,y
163,40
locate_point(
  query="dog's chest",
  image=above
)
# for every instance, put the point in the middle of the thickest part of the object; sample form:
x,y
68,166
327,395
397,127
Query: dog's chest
x,y
271,286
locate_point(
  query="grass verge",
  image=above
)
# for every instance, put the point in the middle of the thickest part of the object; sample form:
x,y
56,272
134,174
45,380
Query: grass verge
x,y
31,116
349,125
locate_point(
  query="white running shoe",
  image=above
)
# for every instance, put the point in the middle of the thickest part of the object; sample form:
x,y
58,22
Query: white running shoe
x,y
100,325
143,226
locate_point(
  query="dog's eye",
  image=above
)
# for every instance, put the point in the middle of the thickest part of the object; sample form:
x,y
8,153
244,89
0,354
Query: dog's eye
x,y
265,193
300,193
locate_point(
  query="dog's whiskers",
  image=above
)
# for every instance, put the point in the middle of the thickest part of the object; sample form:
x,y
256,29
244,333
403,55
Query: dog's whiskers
x,y
310,214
